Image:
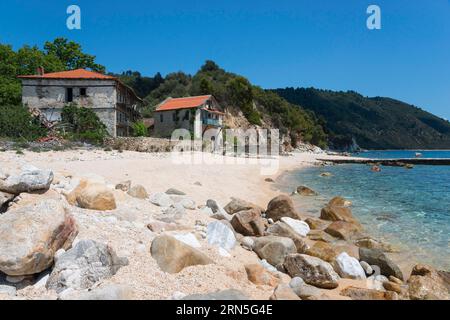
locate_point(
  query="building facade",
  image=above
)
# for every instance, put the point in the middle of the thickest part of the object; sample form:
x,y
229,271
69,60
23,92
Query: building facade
x,y
116,104
198,114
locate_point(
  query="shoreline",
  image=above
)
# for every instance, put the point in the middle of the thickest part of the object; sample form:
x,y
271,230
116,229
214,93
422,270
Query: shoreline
x,y
157,173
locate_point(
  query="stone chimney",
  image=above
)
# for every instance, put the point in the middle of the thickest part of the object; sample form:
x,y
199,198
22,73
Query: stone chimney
x,y
40,71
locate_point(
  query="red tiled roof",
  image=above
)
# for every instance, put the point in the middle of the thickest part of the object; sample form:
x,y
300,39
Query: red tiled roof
x,y
183,103
73,74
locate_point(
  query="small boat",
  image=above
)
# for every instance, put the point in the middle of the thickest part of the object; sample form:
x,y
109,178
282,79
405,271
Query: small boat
x,y
418,155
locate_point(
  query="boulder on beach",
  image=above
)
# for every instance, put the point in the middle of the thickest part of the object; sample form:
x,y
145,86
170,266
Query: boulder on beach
x,y
343,230
283,292
334,213
93,196
236,205
323,251
219,234
316,224
30,179
274,249
312,270
84,265
281,229
379,258
138,191
304,290
248,223
300,227
281,206
173,191
30,236
339,202
425,283
258,275
161,199
348,267
320,235
356,293
370,243
306,191
173,255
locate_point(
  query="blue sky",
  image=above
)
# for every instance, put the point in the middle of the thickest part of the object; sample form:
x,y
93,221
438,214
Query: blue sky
x,y
321,43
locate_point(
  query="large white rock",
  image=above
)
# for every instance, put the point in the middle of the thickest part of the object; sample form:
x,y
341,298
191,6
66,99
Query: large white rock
x,y
189,239
300,227
30,179
349,267
220,235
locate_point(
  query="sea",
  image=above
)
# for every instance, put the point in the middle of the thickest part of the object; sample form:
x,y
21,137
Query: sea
x,y
409,208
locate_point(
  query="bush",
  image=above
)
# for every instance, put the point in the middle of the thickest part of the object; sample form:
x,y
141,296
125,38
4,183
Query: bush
x,y
139,129
83,124
17,122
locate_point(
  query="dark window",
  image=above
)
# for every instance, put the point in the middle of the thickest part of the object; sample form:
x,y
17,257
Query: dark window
x,y
174,117
83,92
186,115
69,94
161,117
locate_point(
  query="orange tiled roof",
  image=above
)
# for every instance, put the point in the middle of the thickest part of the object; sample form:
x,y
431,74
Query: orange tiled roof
x,y
183,103
73,74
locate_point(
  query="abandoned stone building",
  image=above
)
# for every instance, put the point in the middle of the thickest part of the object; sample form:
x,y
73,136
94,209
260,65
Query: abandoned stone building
x,y
116,104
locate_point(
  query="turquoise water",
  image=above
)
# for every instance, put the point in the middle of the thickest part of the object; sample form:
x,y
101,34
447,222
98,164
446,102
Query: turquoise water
x,y
408,208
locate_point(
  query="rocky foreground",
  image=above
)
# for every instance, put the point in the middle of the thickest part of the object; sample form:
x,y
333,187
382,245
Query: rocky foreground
x,y
70,236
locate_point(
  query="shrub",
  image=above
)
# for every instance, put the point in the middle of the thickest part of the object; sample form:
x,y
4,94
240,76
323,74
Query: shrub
x,y
139,129
17,122
83,124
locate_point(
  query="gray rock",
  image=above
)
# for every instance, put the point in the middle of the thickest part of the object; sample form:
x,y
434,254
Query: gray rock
x,y
7,290
283,292
247,243
29,180
274,249
304,290
348,267
124,186
30,236
367,268
220,235
161,199
213,205
173,191
300,227
230,294
379,258
84,265
185,201
312,270
174,212
236,205
108,292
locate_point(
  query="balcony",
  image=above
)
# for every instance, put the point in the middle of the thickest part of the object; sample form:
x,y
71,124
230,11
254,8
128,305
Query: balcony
x,y
212,122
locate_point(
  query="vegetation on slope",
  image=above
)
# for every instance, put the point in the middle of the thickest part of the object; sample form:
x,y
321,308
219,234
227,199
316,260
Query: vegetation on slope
x,y
375,123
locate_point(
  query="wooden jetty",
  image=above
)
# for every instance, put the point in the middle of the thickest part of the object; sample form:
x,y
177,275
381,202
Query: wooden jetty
x,y
393,162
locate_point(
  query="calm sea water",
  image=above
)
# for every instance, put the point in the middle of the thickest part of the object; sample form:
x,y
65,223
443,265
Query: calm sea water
x,y
408,208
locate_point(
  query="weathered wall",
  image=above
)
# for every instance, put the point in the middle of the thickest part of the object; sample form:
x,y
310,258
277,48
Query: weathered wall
x,y
140,144
168,125
49,95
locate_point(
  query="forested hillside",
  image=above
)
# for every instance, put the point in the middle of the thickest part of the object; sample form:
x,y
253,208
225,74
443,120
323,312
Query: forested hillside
x,y
375,123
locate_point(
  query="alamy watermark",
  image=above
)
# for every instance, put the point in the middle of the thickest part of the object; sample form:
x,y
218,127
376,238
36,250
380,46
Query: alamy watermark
x,y
259,147
73,22
374,20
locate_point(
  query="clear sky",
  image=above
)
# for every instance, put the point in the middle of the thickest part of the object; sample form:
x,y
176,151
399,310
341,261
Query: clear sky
x,y
275,43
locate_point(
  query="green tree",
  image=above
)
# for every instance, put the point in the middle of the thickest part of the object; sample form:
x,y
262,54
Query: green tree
x,y
17,122
139,129
71,55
